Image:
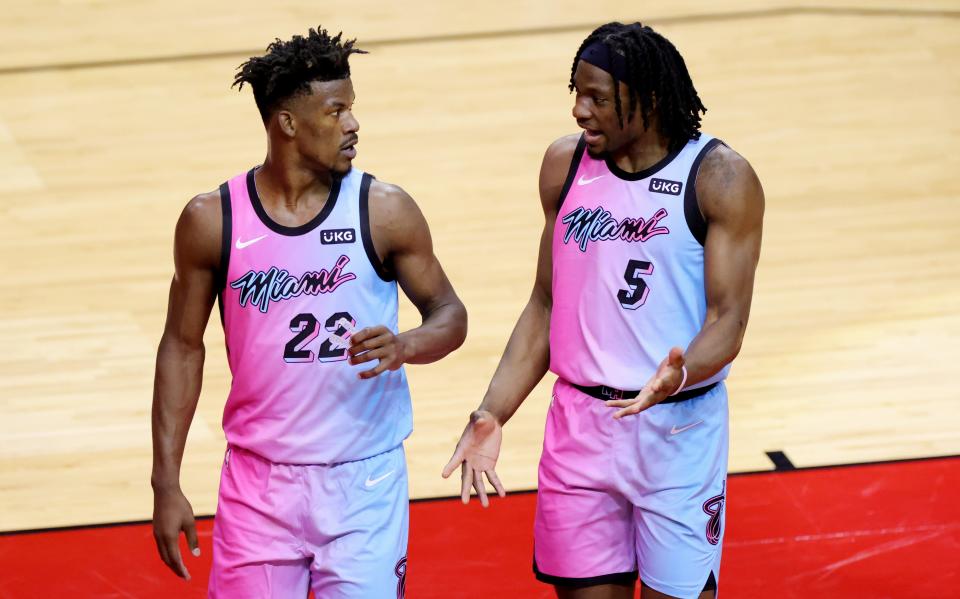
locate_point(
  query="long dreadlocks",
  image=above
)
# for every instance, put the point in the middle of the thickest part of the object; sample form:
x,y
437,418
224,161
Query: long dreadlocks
x,y
288,67
656,74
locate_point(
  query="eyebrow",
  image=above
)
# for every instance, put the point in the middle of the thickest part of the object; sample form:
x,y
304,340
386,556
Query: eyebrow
x,y
592,89
340,103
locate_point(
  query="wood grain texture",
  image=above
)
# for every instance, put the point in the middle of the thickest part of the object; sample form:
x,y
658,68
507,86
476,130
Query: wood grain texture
x,y
849,119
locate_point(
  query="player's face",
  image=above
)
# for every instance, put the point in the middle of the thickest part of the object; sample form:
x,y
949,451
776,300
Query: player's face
x,y
596,113
326,128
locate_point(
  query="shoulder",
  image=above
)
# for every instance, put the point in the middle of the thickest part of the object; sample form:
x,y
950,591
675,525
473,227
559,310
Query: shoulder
x,y
726,182
395,219
389,196
388,202
203,210
200,226
555,170
561,151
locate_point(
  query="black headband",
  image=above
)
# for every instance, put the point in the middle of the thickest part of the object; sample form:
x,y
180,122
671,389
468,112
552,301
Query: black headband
x,y
600,56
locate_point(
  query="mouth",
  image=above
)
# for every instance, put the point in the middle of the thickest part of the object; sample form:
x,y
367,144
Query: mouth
x,y
349,149
592,136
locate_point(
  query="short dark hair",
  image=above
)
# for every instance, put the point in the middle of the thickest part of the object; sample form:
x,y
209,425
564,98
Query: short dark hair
x,y
288,67
655,70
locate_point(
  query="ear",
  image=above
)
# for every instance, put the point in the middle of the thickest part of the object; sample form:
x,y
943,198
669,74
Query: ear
x,y
287,123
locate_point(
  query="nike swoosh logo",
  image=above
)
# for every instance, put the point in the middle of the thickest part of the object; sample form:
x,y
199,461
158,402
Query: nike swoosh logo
x,y
372,482
243,244
582,181
677,431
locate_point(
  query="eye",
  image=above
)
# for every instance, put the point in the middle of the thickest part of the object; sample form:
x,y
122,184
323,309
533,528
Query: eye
x,y
599,101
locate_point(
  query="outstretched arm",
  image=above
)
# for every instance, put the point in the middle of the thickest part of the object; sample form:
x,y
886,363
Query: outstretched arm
x,y
180,370
731,199
402,239
527,355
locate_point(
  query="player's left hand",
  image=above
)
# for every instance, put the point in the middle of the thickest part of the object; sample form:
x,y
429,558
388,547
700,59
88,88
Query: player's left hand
x,y
377,343
665,381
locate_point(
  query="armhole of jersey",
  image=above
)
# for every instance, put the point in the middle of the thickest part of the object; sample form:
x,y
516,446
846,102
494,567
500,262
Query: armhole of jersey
x,y
691,205
226,239
382,271
574,165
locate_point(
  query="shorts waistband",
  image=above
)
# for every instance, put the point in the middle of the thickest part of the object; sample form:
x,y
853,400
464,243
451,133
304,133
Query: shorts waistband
x,y
609,393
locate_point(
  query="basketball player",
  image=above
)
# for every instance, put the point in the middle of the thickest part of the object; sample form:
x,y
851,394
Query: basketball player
x,y
304,253
640,303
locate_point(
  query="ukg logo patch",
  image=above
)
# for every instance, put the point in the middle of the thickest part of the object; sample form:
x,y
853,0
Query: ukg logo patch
x,y
665,186
335,236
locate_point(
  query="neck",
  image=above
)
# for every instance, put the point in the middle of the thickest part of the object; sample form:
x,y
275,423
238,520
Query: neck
x,y
285,179
645,150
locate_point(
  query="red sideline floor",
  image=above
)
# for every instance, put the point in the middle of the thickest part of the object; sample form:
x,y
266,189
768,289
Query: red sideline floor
x,y
876,530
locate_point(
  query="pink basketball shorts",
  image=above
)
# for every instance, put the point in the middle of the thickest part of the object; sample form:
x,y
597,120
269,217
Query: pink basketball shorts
x,y
643,495
283,529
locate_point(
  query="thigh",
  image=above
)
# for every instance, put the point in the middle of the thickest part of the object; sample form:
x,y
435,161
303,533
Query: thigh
x,y
604,591
256,552
649,593
275,580
360,525
583,538
678,490
583,528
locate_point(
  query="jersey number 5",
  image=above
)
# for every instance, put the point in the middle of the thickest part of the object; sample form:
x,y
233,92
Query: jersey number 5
x,y
636,294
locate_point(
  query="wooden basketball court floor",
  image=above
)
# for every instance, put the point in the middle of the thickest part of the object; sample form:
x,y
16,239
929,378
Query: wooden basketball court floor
x,y
113,114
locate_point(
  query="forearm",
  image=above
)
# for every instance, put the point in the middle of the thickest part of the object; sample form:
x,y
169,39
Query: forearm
x,y
176,393
717,344
524,362
443,330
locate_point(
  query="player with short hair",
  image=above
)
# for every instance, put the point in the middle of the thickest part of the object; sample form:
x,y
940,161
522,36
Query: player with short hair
x,y
640,303
304,253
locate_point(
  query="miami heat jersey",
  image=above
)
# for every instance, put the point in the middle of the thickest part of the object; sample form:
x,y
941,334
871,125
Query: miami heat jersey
x,y
628,277
290,299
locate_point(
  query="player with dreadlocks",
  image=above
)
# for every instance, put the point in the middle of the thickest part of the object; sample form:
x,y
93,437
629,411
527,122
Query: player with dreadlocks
x,y
304,253
640,303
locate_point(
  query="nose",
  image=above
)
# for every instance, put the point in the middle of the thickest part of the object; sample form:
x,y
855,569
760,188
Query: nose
x,y
580,110
351,124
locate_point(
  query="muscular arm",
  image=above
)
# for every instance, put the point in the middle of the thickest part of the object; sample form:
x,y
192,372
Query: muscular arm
x,y
402,239
732,202
180,368
527,355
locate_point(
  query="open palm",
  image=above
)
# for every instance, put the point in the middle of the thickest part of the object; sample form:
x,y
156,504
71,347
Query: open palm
x,y
477,454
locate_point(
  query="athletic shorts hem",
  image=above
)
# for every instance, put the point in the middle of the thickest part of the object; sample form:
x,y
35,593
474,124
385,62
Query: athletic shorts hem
x,y
622,578
709,584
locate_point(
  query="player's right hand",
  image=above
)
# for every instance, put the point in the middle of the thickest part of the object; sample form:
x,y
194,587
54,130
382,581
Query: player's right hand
x,y
476,454
172,513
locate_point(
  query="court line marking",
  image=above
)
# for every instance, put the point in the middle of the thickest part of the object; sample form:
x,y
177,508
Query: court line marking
x,y
10,533
786,11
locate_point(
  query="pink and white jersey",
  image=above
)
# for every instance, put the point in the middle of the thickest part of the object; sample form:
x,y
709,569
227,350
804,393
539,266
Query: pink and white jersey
x,y
289,300
628,278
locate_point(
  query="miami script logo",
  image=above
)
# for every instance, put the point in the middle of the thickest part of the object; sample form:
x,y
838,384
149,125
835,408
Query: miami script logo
x,y
597,224
259,288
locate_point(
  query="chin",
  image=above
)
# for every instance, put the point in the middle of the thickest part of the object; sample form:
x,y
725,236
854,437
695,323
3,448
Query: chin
x,y
596,151
342,168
